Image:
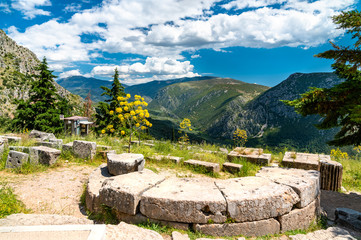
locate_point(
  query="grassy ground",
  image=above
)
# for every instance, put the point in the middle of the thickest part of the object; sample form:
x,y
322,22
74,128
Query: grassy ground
x,y
9,204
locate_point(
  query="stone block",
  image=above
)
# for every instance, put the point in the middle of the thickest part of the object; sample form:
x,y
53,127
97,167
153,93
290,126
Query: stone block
x,y
306,183
124,231
16,159
84,149
13,139
58,142
254,155
19,149
123,192
103,147
299,218
42,135
223,150
348,218
68,147
232,167
249,229
140,218
170,158
307,161
256,198
95,181
2,146
188,200
48,144
178,236
44,155
124,163
334,233
208,166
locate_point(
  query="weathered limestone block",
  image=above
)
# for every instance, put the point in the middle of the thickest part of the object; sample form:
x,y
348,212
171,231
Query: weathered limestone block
x,y
42,135
124,231
123,192
140,218
254,155
306,183
348,218
299,218
307,161
208,166
2,146
124,163
68,147
95,182
84,149
58,142
170,158
334,233
189,200
44,155
178,236
249,229
13,139
223,150
256,198
48,144
16,159
19,149
232,167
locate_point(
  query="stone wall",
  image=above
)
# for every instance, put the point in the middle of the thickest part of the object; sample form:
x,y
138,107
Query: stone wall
x,y
275,200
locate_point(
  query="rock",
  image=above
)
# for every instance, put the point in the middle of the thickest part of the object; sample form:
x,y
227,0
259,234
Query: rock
x,y
125,163
19,149
232,167
124,231
348,218
256,198
306,183
305,161
44,155
223,150
171,158
48,144
13,139
189,200
299,218
254,155
249,229
42,135
123,192
22,219
84,149
68,147
95,181
208,166
140,218
330,233
178,236
16,159
58,143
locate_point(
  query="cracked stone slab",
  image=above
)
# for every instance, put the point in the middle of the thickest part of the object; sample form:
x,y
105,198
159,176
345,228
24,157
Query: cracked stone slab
x,y
189,200
349,218
95,182
256,198
123,192
299,218
44,155
254,155
232,167
16,159
178,236
249,229
84,149
306,183
208,166
124,231
335,233
307,161
125,163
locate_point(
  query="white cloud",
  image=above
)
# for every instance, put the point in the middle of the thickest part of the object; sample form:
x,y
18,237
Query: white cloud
x,y
5,8
164,29
153,69
70,73
29,7
73,7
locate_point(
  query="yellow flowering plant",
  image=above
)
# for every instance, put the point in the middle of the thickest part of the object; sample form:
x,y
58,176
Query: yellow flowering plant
x,y
185,125
239,137
338,154
129,116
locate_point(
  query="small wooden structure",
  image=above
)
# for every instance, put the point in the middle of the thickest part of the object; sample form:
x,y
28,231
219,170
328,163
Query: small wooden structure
x,y
77,125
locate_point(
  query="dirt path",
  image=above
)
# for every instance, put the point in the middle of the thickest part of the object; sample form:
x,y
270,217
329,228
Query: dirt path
x,y
56,191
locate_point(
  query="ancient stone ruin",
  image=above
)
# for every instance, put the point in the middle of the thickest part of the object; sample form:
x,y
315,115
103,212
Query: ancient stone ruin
x,y
275,200
254,155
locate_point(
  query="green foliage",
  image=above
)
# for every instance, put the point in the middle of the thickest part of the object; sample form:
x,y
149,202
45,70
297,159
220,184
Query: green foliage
x,y
41,111
340,105
102,116
9,204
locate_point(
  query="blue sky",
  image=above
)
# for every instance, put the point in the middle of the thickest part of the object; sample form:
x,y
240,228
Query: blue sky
x,y
257,41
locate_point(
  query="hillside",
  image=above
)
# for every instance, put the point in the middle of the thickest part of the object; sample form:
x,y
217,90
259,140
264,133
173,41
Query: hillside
x,y
273,122
202,101
17,64
81,86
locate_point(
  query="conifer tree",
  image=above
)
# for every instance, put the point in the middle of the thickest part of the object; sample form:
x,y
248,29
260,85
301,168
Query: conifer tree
x,y
340,105
102,112
41,111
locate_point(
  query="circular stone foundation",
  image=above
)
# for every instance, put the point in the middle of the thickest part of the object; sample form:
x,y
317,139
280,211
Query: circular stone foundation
x,y
275,200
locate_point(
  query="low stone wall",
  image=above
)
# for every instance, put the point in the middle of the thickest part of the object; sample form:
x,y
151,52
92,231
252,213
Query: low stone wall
x,y
275,200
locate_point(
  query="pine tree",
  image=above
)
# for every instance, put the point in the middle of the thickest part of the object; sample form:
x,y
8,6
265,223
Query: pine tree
x,y
102,115
41,111
340,105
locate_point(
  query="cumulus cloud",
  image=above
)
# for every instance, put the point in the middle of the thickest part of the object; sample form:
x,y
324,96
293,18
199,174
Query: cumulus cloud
x,y
30,7
70,73
5,8
153,69
164,29
73,7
